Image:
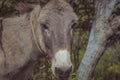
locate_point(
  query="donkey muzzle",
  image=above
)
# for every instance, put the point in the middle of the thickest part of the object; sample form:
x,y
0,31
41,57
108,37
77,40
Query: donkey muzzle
x,y
61,64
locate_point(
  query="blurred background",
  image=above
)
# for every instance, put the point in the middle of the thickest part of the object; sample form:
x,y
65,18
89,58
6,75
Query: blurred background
x,y
108,67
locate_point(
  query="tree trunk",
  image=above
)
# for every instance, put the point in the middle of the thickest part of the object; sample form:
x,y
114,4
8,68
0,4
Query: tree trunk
x,y
101,31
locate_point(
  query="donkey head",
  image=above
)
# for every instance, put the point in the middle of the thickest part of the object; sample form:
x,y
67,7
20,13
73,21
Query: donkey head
x,y
56,21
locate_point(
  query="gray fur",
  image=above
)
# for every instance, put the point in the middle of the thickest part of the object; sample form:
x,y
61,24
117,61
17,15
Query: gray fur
x,y
18,51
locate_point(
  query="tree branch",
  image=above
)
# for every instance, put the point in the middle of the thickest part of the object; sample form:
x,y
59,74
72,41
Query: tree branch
x,y
100,32
115,23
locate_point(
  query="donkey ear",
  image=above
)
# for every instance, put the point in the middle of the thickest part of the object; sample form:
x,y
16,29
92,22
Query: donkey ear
x,y
43,2
69,1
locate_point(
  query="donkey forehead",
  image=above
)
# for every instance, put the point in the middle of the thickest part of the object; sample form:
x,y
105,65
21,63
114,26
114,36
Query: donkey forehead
x,y
59,5
58,22
56,18
57,12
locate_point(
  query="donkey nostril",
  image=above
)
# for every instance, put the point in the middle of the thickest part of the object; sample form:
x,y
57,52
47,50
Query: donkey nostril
x,y
63,73
58,71
69,70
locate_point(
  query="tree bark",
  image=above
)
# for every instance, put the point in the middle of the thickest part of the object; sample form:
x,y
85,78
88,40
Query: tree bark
x,y
101,31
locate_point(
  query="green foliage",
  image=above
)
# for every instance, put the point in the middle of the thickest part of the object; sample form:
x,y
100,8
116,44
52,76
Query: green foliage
x,y
109,65
7,8
73,76
115,68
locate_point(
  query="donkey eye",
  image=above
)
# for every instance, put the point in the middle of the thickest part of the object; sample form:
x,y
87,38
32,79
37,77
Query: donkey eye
x,y
73,26
46,29
45,26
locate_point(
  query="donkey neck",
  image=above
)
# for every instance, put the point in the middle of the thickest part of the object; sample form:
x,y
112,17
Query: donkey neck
x,y
17,41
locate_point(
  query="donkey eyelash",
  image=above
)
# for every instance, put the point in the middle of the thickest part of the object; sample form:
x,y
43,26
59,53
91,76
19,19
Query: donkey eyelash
x,y
74,24
45,26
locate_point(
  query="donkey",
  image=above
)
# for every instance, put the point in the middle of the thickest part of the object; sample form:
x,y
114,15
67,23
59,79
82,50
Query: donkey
x,y
46,30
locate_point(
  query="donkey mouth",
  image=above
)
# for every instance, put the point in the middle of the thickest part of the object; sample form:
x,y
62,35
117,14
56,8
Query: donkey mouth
x,y
62,78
